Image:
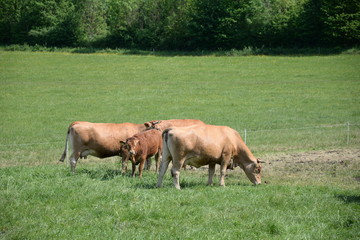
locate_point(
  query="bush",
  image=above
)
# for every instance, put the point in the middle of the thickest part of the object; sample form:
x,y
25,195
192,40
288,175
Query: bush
x,y
181,24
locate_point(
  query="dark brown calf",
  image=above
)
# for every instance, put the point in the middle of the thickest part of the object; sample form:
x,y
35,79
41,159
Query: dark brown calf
x,y
139,148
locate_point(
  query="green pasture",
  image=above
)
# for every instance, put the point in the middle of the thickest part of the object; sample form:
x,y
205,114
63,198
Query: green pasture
x,y
42,93
287,104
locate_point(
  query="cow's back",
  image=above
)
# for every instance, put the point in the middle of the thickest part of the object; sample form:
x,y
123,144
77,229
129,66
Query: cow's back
x,y
204,135
203,142
151,140
164,124
103,139
183,122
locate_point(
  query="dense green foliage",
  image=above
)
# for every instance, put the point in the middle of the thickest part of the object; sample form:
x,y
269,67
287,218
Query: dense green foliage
x,y
180,24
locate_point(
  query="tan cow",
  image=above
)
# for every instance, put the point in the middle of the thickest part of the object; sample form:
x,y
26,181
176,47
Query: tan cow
x,y
164,124
141,147
101,140
207,145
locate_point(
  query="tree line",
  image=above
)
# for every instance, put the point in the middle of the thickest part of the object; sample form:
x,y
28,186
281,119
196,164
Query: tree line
x,y
181,24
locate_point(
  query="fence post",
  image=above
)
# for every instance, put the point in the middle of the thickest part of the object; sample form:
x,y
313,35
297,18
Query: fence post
x,y
245,135
348,133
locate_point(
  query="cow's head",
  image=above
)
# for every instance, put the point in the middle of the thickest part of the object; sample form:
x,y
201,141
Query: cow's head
x,y
151,124
128,151
253,171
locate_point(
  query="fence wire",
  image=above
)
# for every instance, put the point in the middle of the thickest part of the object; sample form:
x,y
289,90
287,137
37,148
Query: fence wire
x,y
302,138
246,134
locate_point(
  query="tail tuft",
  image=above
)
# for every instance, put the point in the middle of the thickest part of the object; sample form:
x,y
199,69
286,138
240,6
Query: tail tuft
x,y
65,153
165,134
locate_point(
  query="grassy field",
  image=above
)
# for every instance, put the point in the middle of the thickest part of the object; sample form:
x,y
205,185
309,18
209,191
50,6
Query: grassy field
x,y
42,93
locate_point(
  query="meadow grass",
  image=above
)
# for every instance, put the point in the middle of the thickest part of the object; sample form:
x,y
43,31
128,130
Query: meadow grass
x,y
42,93
47,202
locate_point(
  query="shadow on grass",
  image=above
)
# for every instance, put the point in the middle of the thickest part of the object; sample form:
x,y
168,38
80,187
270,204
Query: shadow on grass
x,y
145,185
101,174
246,51
349,198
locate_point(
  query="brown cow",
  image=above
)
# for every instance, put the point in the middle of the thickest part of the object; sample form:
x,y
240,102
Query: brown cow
x,y
139,148
101,140
164,124
207,145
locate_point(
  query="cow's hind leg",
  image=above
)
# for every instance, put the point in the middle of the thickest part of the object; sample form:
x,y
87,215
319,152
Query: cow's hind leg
x,y
148,164
175,172
211,173
163,167
157,161
73,160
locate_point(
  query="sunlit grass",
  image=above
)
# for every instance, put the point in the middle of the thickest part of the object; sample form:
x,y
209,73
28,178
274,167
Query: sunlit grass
x,y
42,93
99,202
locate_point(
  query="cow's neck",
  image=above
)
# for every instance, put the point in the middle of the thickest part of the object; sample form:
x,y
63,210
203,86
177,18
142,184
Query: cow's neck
x,y
245,155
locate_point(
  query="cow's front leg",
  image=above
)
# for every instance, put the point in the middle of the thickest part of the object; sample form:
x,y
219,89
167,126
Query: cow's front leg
x,y
133,168
226,158
211,173
222,174
124,164
141,166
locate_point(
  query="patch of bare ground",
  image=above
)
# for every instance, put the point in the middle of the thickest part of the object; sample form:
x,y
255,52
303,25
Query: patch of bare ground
x,y
336,168
340,167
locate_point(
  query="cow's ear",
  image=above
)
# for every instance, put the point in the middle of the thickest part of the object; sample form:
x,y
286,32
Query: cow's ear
x,y
154,122
147,124
257,169
259,161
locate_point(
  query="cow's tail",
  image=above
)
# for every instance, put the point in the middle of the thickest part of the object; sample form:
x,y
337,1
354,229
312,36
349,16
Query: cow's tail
x,y
165,148
165,134
64,155
165,158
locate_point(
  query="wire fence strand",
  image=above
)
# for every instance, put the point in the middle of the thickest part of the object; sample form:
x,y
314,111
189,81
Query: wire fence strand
x,y
245,136
347,125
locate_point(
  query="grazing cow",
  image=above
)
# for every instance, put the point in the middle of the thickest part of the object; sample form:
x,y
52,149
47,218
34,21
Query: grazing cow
x,y
164,124
101,140
139,148
207,145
